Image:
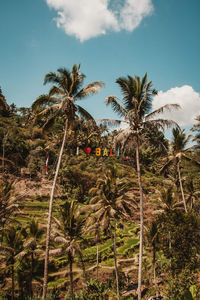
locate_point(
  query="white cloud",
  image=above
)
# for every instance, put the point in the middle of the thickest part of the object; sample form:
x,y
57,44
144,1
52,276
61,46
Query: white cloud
x,y
86,19
186,97
133,12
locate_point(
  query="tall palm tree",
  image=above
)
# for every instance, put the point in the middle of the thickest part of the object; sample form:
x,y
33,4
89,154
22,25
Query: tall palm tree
x,y
178,153
136,111
68,231
110,202
65,91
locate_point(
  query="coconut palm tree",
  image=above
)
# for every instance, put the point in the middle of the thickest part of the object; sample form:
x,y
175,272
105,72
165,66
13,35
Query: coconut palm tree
x,y
111,201
196,128
167,202
60,102
67,231
191,193
167,205
8,206
33,234
12,246
135,108
177,154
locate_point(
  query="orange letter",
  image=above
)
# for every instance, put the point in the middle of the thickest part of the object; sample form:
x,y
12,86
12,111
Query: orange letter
x,y
111,154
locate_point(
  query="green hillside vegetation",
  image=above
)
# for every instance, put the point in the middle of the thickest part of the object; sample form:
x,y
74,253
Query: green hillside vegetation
x,y
124,227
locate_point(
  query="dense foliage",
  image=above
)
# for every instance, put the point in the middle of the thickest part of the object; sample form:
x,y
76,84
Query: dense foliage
x,y
95,235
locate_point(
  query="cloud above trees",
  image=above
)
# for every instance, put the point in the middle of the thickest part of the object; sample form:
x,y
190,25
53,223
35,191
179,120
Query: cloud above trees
x,y
86,19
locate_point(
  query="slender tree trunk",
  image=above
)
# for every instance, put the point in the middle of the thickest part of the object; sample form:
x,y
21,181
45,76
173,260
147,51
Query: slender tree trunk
x,y
20,286
2,234
97,261
31,279
170,247
13,282
71,275
141,222
154,270
181,186
115,259
3,151
50,215
83,266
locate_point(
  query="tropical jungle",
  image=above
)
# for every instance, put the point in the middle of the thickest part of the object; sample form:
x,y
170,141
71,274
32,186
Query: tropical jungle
x,y
98,209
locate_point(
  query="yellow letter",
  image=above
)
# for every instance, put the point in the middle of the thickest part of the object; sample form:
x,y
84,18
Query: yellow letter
x,y
105,152
98,151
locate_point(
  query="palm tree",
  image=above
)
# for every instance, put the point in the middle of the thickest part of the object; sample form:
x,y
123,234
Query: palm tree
x,y
178,153
135,110
68,232
109,203
33,235
196,128
167,205
167,202
66,90
192,194
8,206
13,245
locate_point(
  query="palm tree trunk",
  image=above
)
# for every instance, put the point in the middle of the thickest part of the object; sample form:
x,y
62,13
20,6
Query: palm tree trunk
x,y
170,249
83,266
181,186
97,261
50,214
115,259
20,286
31,279
71,275
3,149
154,270
141,222
13,282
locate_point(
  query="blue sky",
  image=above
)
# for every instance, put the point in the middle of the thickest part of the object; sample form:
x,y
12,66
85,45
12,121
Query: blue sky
x,y
110,39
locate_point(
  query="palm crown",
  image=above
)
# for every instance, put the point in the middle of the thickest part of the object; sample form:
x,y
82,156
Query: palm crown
x,y
137,104
65,91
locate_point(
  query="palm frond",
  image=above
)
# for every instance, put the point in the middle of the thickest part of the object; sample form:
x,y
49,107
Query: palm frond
x,y
195,162
112,100
60,239
109,122
166,165
43,100
91,88
47,111
162,124
54,90
84,114
51,77
162,109
49,123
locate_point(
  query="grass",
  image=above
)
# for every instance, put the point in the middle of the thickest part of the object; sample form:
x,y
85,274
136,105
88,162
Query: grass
x,y
128,244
